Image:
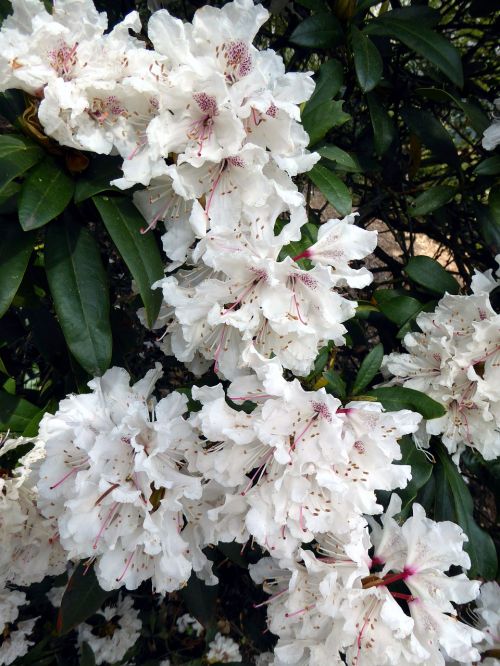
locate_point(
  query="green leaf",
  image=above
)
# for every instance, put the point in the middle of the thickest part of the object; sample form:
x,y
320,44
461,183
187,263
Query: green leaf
x,y
455,503
15,252
369,368
336,385
400,309
82,598
96,179
139,251
367,60
430,274
394,398
432,133
200,600
17,155
79,288
488,167
494,203
15,413
330,80
322,118
321,30
87,657
490,229
343,161
332,187
432,199
421,470
384,130
45,194
424,41
478,119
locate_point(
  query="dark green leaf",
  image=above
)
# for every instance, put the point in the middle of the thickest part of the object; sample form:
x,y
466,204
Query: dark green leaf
x,y
490,229
15,413
421,470
96,179
200,600
87,657
455,503
367,60
336,385
12,102
478,119
45,194
79,287
394,398
488,167
139,251
332,187
15,251
432,133
330,80
369,368
321,30
494,203
430,274
400,309
384,130
432,199
82,598
424,41
17,155
343,161
322,118
421,13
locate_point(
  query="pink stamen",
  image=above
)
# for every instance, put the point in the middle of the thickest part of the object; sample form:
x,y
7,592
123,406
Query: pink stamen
x,y
105,523
302,610
127,564
405,597
250,396
219,348
301,435
303,255
260,469
66,476
272,598
213,188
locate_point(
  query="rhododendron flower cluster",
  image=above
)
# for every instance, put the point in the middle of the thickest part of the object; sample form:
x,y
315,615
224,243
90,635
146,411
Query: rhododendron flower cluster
x,y
455,358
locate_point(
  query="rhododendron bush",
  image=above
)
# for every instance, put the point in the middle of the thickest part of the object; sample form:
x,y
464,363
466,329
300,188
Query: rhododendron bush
x,y
246,416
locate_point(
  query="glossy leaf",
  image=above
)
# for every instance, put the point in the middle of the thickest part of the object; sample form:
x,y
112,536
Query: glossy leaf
x,y
79,288
16,413
15,251
322,118
17,155
321,30
430,274
45,194
432,133
328,84
200,600
367,60
488,167
96,179
343,161
478,119
421,470
494,203
432,200
384,130
394,398
400,309
139,251
87,657
82,598
332,187
335,384
454,502
424,41
368,369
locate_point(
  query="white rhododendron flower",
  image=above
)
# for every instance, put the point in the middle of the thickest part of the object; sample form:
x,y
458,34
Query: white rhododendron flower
x,y
14,634
392,607
29,550
116,631
455,359
113,479
223,650
491,135
187,624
